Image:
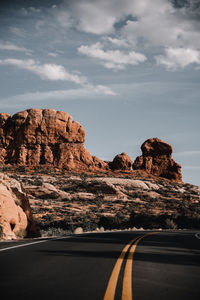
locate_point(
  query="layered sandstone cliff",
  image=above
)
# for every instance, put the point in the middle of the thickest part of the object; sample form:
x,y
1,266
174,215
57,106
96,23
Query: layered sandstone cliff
x,y
156,159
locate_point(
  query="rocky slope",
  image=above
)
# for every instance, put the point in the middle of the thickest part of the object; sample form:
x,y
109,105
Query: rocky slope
x,y
113,202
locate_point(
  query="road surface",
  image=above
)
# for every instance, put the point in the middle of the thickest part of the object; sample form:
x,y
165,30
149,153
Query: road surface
x,y
124,265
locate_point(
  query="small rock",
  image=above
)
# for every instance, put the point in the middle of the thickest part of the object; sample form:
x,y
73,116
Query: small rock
x,y
78,230
121,162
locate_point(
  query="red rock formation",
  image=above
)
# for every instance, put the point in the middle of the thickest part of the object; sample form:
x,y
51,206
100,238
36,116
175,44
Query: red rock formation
x,y
43,137
98,163
121,162
156,159
16,220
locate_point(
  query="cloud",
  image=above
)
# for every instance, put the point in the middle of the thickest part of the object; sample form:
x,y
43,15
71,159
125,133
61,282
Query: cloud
x,y
104,90
112,59
45,71
52,54
97,17
34,10
54,72
86,93
11,47
26,11
118,42
178,58
159,22
152,25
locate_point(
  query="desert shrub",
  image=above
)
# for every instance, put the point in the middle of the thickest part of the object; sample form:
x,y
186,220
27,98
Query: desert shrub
x,y
5,169
148,221
113,222
89,225
52,231
1,232
21,169
21,233
188,222
170,224
164,221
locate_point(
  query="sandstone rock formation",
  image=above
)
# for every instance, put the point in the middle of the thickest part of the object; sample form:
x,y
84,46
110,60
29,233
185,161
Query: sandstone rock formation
x,y
43,137
16,220
156,159
121,162
50,138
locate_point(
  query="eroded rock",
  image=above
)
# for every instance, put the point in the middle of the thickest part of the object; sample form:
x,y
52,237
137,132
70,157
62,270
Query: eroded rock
x,y
156,159
121,162
16,219
43,137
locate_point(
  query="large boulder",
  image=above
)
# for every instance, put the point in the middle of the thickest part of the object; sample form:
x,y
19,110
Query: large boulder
x,y
156,159
121,162
43,137
16,220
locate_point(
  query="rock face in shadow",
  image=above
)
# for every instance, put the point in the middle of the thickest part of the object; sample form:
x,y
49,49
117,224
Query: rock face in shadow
x,y
156,159
121,162
16,220
43,137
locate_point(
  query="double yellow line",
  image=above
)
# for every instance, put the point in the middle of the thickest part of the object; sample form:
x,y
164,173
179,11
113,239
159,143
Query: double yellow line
x,y
127,280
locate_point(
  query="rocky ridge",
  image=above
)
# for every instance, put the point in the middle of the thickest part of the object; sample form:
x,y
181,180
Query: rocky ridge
x,y
90,202
50,138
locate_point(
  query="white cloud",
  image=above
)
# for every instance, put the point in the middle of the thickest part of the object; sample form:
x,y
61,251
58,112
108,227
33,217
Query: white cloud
x,y
45,71
112,59
102,89
44,96
158,21
11,47
178,58
54,72
118,42
153,25
97,17
52,54
84,93
34,10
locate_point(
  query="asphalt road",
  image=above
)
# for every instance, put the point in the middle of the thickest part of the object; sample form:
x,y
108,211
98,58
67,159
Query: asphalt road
x,y
103,266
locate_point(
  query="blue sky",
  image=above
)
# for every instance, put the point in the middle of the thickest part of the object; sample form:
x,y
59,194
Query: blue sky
x,y
126,70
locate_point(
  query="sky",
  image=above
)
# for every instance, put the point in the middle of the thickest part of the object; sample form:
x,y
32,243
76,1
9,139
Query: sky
x,y
126,70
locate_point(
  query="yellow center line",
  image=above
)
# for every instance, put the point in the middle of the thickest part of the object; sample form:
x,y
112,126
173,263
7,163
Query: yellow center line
x,y
127,280
111,287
